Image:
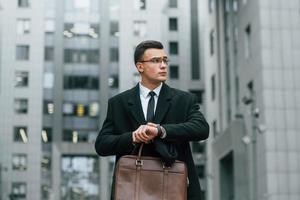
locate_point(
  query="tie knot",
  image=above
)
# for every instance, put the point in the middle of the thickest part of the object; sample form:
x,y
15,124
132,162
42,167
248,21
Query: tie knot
x,y
152,94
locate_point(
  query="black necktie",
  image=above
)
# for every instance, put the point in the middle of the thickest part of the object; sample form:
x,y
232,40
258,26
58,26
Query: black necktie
x,y
150,109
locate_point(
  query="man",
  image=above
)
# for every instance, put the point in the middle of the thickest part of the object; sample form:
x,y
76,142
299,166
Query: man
x,y
152,112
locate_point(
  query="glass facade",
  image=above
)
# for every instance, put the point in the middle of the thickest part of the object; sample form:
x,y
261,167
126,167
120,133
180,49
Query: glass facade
x,y
80,179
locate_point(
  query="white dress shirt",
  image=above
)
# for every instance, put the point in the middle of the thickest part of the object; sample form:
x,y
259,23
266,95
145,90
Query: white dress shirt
x,y
145,97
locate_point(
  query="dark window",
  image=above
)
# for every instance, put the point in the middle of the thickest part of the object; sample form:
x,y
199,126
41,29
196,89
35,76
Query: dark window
x,y
47,134
45,189
48,107
173,25
172,3
173,48
21,79
213,87
21,106
199,94
212,42
23,3
198,147
81,82
81,56
19,162
46,162
174,72
140,4
200,171
20,134
49,53
113,81
114,28
75,136
22,52
18,190
114,54
211,5
214,127
248,41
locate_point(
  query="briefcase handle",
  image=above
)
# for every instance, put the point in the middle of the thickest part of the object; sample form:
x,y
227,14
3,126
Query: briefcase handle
x,y
139,162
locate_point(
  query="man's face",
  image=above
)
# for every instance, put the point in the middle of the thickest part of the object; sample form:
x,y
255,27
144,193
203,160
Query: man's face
x,y
153,66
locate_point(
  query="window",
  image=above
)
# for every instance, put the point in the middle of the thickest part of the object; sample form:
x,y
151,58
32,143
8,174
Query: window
x,y
21,79
48,107
19,162
75,136
247,41
140,4
81,56
23,3
140,28
214,127
21,106
49,26
46,162
114,28
173,46
198,147
81,82
174,72
68,109
113,81
82,5
18,190
49,54
173,26
22,52
93,109
213,87
78,169
20,134
114,54
199,95
212,42
211,5
48,80
172,3
45,190
47,135
23,26
200,171
235,5
81,110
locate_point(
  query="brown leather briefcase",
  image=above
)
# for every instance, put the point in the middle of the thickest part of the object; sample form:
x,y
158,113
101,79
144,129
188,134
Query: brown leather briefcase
x,y
146,178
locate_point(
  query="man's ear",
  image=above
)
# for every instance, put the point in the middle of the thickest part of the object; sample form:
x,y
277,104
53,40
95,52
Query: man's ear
x,y
140,67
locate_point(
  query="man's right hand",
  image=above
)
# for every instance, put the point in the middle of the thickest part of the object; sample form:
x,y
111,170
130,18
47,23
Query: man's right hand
x,y
145,133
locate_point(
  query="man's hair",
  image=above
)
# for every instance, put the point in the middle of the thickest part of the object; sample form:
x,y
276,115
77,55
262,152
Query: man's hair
x,y
143,46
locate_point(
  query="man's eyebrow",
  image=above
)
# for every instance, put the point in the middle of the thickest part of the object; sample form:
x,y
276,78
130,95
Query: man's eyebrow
x,y
159,57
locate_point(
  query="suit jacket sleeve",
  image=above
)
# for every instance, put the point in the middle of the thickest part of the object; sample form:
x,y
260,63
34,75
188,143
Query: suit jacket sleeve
x,y
194,128
110,143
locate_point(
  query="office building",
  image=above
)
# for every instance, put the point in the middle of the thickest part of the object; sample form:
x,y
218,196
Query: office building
x,y
21,94
251,60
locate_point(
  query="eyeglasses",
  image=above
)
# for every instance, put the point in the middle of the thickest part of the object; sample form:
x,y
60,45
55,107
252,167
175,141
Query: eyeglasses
x,y
157,60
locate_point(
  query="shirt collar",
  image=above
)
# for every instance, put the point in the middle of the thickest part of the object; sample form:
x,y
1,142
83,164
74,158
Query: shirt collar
x,y
145,91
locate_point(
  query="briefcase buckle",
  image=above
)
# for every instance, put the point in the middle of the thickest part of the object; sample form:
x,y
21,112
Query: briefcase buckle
x,y
139,163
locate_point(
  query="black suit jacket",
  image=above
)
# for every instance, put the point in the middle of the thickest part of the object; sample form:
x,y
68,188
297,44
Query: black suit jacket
x,y
176,111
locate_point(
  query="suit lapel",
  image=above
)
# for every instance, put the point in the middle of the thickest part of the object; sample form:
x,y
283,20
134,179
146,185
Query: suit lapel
x,y
163,104
135,106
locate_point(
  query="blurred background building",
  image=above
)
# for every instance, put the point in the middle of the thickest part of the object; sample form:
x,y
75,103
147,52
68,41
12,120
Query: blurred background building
x,y
61,60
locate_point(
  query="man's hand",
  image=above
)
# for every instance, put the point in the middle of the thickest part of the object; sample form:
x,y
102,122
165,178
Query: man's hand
x,y
145,133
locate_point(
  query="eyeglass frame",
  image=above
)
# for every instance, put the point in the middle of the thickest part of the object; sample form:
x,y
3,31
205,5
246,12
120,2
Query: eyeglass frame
x,y
153,60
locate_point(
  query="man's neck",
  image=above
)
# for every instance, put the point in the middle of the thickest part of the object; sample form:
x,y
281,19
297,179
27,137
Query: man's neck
x,y
150,86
